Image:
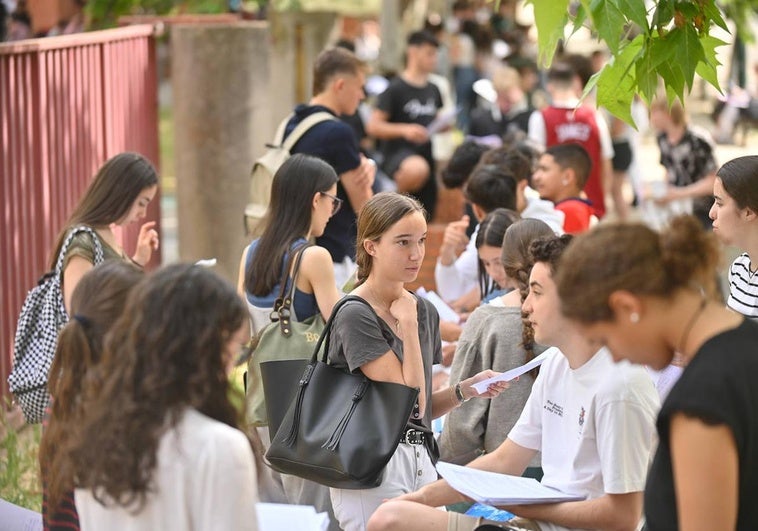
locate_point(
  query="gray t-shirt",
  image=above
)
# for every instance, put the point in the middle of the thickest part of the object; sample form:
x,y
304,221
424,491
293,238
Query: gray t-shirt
x,y
358,336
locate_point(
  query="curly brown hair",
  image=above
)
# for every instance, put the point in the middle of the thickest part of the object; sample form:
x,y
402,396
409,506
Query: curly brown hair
x,y
635,258
165,354
97,302
517,262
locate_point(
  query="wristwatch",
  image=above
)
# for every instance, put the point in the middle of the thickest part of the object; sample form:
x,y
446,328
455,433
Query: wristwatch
x,y
459,393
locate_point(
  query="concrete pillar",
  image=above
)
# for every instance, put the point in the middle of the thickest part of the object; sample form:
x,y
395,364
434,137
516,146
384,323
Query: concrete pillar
x,y
220,76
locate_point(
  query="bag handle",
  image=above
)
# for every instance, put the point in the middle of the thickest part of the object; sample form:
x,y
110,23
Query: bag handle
x,y
99,257
283,304
326,334
304,126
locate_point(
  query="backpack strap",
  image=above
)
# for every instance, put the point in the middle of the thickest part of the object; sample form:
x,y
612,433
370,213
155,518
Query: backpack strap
x,y
279,136
99,257
303,127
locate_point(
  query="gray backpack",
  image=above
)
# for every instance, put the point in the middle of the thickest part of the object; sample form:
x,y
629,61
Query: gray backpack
x,y
265,167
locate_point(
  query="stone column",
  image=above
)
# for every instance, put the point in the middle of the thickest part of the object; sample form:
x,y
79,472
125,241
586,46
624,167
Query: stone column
x,y
220,76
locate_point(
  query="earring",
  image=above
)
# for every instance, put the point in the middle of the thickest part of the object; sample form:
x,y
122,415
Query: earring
x,y
634,317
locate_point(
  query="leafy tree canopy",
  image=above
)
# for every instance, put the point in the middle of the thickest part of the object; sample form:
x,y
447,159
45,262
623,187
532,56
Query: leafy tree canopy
x,y
666,40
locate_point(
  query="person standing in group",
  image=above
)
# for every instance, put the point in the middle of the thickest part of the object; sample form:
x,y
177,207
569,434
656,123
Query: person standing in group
x,y
566,121
687,154
97,302
403,111
645,301
158,445
299,209
338,80
396,340
735,222
119,195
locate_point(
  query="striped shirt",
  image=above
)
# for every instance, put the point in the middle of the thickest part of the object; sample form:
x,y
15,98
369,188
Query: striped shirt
x,y
743,287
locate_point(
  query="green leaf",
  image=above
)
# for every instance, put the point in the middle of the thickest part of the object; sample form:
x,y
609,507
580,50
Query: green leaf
x,y
688,51
580,17
712,11
664,12
616,83
688,9
635,11
550,17
608,21
707,68
673,79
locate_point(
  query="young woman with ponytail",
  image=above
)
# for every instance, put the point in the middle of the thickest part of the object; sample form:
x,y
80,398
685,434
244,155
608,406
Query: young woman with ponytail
x,y
642,294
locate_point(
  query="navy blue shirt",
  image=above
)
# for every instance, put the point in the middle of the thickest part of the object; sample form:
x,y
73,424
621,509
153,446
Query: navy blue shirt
x,y
334,142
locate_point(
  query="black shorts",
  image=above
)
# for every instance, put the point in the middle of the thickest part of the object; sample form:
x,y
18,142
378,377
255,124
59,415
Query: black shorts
x,y
622,155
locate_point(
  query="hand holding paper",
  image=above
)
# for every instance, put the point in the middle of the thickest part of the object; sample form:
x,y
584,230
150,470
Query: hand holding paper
x,y
507,376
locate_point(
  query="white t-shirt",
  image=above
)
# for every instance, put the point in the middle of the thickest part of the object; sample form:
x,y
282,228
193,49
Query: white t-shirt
x,y
595,426
204,480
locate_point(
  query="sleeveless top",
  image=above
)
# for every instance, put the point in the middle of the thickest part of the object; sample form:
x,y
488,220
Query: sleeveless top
x,y
303,305
578,126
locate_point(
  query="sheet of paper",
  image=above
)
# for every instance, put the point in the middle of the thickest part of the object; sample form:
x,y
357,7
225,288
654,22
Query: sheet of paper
x,y
507,376
17,518
444,118
445,311
499,489
284,517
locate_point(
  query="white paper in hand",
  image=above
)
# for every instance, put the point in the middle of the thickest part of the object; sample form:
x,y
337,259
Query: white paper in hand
x,y
507,376
445,312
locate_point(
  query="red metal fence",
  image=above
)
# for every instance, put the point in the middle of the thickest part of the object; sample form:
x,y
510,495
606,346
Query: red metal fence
x,y
67,104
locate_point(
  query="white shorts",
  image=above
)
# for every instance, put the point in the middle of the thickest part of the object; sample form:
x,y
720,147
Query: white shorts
x,y
409,469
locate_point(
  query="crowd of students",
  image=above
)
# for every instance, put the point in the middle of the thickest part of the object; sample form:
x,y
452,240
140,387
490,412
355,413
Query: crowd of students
x,y
144,431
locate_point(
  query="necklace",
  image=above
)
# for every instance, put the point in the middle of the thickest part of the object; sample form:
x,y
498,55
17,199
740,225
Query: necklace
x,y
384,309
693,320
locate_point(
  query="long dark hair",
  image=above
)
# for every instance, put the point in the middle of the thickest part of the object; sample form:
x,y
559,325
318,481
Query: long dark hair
x,y
111,194
165,354
491,232
96,303
287,219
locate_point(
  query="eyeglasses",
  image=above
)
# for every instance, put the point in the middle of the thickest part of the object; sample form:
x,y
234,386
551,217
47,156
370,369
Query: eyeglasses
x,y
336,202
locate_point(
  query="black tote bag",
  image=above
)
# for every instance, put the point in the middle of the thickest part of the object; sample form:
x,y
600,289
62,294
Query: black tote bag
x,y
340,429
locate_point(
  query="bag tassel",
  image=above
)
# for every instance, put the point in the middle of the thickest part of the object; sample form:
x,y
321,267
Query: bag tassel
x,y
292,436
334,440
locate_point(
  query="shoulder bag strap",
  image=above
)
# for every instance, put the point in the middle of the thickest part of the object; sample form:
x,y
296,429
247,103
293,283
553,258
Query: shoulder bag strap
x,y
283,304
304,126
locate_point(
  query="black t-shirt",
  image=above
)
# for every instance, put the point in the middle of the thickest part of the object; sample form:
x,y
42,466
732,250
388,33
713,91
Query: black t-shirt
x,y
334,142
409,104
484,124
718,387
